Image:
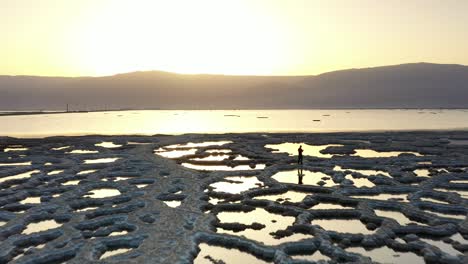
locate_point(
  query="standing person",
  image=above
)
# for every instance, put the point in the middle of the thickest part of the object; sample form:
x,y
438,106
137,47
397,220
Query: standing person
x,y
299,157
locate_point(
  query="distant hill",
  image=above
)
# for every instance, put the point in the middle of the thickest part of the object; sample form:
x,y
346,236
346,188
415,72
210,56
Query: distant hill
x,y
418,85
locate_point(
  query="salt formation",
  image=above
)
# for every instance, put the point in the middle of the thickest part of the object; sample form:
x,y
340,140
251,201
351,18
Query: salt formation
x,y
359,197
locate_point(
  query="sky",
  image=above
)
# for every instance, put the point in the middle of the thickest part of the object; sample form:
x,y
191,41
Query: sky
x,y
240,37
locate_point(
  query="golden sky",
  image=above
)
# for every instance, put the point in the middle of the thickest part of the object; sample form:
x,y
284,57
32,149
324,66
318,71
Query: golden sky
x,y
255,37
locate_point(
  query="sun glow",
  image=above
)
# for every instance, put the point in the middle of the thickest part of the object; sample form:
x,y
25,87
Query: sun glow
x,y
254,37
181,36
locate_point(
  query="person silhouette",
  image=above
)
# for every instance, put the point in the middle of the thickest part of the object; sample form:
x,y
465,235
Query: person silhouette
x,y
299,156
300,175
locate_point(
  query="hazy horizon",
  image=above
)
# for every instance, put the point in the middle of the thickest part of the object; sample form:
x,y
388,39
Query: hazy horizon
x,y
235,75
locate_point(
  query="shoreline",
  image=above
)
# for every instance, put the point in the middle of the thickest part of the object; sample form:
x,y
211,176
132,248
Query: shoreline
x,y
291,133
46,112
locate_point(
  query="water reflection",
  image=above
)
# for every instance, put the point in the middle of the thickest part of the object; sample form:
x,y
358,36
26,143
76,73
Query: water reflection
x,y
16,164
82,151
55,172
213,254
114,252
116,179
422,172
240,157
343,226
212,158
445,215
239,184
304,177
385,196
360,182
86,172
218,151
459,181
199,145
399,217
173,154
316,256
173,204
87,209
31,200
369,153
363,172
425,163
432,200
72,182
61,148
19,176
272,222
290,196
105,144
118,233
40,226
388,255
447,247
309,150
300,176
103,160
150,122
102,193
222,167
328,206
9,149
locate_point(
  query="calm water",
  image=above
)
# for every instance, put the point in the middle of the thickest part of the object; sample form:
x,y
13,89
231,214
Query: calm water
x,y
151,122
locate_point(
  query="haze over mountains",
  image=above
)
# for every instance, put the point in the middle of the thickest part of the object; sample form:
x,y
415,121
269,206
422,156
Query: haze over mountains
x,y
418,85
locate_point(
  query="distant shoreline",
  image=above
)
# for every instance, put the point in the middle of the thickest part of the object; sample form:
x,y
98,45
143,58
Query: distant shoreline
x,y
49,112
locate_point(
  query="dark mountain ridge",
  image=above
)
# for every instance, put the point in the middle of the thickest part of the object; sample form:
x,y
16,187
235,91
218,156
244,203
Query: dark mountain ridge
x,y
416,85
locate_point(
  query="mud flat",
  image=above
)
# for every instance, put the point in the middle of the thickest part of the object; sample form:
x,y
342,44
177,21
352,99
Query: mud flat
x,y
399,197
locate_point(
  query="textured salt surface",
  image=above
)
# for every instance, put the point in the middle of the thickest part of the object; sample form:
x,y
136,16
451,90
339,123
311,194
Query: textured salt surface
x,y
390,197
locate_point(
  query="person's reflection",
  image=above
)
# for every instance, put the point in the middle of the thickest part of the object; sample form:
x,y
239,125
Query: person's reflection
x,y
300,175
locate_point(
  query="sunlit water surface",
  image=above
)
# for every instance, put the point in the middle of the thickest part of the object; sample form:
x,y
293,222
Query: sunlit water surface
x,y
149,122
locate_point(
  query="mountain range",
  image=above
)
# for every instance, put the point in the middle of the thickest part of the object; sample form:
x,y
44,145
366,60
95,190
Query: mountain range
x,y
415,85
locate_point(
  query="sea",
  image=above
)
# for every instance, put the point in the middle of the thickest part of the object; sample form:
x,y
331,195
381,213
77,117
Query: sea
x,y
176,122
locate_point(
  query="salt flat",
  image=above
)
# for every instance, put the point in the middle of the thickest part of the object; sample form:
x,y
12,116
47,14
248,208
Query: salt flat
x,y
214,197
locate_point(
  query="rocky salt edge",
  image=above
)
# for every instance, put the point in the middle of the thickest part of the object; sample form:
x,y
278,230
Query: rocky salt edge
x,y
76,200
